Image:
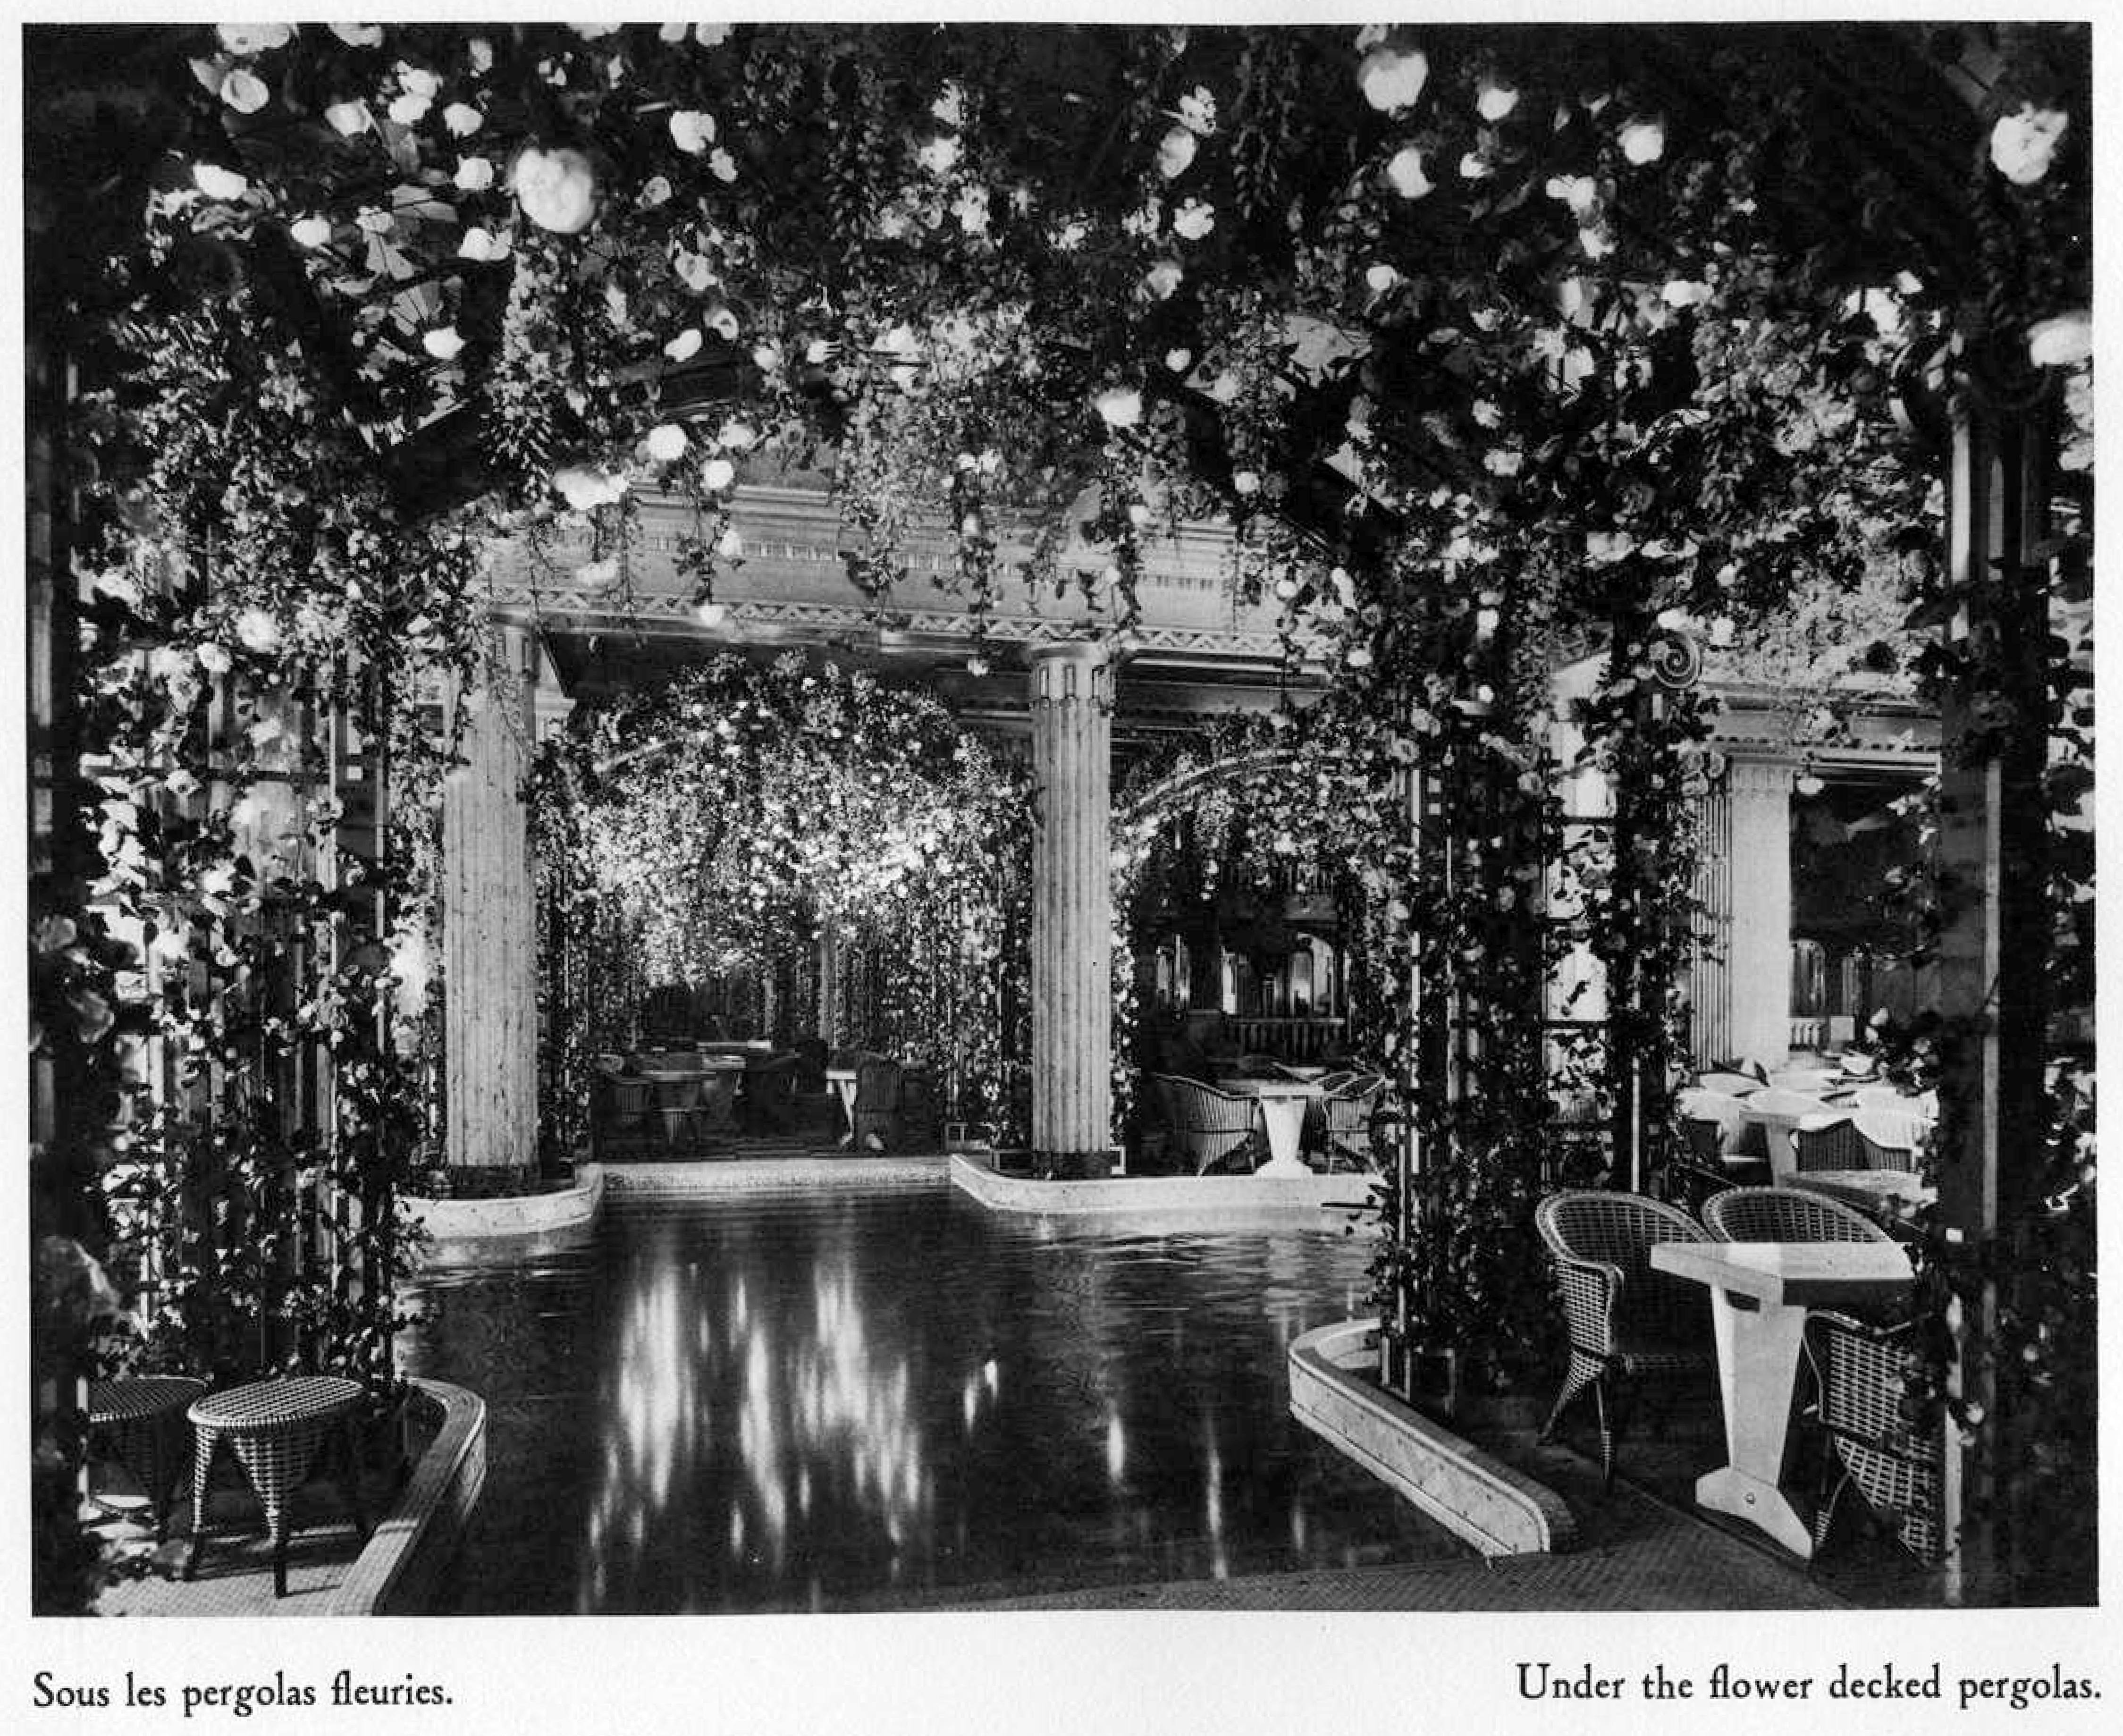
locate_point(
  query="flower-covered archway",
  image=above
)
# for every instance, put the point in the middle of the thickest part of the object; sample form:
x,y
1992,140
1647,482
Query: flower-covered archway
x,y
1495,347
840,846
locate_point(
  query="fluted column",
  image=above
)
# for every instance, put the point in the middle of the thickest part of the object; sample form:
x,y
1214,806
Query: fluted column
x,y
1758,966
489,926
1072,909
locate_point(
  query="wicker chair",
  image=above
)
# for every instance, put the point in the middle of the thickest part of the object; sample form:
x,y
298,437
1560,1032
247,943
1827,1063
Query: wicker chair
x,y
769,1095
1842,1142
1346,1113
876,1114
1208,1125
1785,1214
1860,1369
1623,1317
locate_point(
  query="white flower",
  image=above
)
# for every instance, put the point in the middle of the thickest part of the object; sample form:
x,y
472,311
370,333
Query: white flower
x,y
722,166
442,343
253,38
258,630
462,119
1245,482
374,220
1161,280
767,357
666,442
710,35
1357,657
1179,360
347,118
1175,151
1494,101
738,436
717,475
474,174
971,208
310,232
244,91
1392,78
1502,462
950,107
1597,245
684,346
213,658
357,36
2063,342
941,155
1380,278
1683,292
723,322
693,131
557,189
1405,173
1119,406
729,545
410,108
1194,220
482,245
219,183
2023,145
1643,140
1197,110
1579,192
1472,167
584,488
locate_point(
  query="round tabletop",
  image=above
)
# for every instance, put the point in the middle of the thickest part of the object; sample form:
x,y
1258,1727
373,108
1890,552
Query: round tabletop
x,y
1272,1088
111,1402
266,1404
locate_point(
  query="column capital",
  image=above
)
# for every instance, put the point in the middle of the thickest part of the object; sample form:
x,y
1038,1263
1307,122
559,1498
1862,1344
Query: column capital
x,y
1066,670
1760,777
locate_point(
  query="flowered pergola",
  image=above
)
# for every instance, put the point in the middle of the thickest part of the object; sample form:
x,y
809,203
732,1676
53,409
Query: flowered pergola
x,y
1494,347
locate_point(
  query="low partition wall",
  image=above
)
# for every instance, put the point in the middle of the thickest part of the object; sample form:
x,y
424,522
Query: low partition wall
x,y
1180,1195
1333,1391
401,1566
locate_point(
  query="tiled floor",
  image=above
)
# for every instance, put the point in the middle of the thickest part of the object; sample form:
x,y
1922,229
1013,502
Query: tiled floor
x,y
235,1570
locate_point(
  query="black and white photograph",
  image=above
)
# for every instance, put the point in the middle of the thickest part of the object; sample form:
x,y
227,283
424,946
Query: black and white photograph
x,y
878,821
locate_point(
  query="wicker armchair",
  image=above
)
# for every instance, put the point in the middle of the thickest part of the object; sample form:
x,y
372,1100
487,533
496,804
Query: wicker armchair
x,y
1861,1373
1845,1142
1207,1125
876,1114
1785,1214
1623,1317
1346,1113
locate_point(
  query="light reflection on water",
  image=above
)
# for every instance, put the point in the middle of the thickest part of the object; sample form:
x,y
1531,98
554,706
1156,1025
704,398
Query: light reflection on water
x,y
864,1399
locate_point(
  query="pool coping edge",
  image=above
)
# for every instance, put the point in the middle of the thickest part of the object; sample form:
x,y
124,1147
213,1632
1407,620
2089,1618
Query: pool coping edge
x,y
1476,1496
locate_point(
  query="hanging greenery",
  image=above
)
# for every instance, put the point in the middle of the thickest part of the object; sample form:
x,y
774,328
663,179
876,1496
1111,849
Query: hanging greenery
x,y
724,822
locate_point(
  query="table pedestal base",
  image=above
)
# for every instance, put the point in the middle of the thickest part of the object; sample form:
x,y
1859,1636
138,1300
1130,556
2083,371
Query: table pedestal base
x,y
1283,1166
1761,1505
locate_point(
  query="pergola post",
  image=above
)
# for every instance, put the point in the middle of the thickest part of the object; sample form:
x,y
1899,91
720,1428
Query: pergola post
x,y
1758,961
1072,701
490,923
1994,943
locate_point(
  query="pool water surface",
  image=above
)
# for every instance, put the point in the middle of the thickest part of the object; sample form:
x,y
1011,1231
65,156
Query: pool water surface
x,y
891,1397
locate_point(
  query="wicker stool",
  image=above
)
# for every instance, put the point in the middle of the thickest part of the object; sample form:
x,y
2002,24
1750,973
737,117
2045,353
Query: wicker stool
x,y
142,1422
274,1428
